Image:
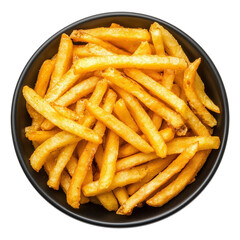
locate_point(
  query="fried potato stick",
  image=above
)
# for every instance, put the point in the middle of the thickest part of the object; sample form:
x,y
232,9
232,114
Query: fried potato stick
x,y
188,86
119,128
44,108
146,190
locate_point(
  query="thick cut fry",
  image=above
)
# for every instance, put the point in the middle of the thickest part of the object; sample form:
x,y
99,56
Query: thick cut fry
x,y
143,49
40,136
177,145
62,160
124,34
121,195
109,160
157,39
168,78
121,61
85,160
145,123
64,84
154,168
44,108
183,179
155,105
174,49
83,36
119,128
90,50
124,115
134,160
44,77
61,139
127,149
146,190
78,91
63,60
108,201
166,95
188,86
120,179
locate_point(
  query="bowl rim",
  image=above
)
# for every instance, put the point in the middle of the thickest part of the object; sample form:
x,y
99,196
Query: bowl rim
x,y
139,222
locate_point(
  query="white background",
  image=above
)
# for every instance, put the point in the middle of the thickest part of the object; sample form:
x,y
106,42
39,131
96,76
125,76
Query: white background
x,y
25,25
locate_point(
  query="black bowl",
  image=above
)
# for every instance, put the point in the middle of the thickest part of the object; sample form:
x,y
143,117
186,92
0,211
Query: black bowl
x,y
93,213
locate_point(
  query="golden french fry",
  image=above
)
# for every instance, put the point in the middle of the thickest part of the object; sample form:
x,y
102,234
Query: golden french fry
x,y
74,192
176,90
146,190
119,128
120,179
78,91
121,61
83,36
109,160
80,110
90,50
127,149
63,60
166,95
121,195
188,86
155,105
41,136
154,75
43,78
62,160
66,112
120,109
143,49
174,49
157,39
183,179
99,156
108,200
124,34
44,108
157,120
61,139
154,168
145,123
168,78
71,165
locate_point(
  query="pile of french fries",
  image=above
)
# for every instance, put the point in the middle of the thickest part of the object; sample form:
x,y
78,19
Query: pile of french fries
x,y
120,118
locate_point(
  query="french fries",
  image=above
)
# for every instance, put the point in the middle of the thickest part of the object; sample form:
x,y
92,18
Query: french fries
x,y
113,118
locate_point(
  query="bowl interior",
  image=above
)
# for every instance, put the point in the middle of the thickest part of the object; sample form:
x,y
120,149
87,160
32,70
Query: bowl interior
x,y
94,213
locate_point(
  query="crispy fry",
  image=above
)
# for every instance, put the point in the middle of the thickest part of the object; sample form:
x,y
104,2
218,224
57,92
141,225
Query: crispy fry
x,y
122,61
157,39
183,179
119,128
120,179
108,200
154,168
174,49
62,160
66,112
120,109
127,149
43,107
99,156
157,120
109,160
121,195
168,78
124,34
188,86
82,36
90,50
73,194
143,49
71,165
153,74
41,136
80,109
63,60
146,190
145,123
155,105
44,77
78,91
